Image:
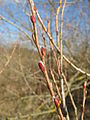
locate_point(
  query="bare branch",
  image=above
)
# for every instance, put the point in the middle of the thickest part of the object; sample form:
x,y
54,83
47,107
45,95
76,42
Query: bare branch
x,y
11,56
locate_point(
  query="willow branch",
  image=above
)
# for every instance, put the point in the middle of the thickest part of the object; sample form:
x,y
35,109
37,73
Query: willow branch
x,y
84,98
51,39
57,31
39,51
61,46
55,83
54,54
61,61
35,28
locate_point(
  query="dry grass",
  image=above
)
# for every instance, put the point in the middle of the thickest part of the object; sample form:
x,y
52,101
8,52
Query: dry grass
x,y
17,100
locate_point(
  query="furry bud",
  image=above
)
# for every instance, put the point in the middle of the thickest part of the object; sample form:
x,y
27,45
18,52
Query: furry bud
x,y
35,8
56,101
41,65
43,51
83,109
32,19
84,85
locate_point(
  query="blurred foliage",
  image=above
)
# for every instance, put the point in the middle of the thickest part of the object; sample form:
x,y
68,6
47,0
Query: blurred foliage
x,y
17,99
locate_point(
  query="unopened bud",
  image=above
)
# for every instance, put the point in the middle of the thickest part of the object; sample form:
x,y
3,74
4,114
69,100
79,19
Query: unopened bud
x,y
35,8
56,101
32,19
83,109
84,85
41,65
43,51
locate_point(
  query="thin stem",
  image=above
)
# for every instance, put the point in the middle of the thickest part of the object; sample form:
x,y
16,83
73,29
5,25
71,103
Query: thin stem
x,y
16,26
61,52
35,29
11,56
55,83
57,31
51,39
72,100
39,51
61,46
84,98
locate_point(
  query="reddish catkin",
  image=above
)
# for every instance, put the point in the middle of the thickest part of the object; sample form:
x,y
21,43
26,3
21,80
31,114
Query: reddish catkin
x,y
35,8
84,85
83,109
32,19
56,101
43,51
41,66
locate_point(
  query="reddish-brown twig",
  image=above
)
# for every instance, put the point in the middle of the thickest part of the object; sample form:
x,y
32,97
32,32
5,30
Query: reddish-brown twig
x,y
84,98
42,63
43,36
51,39
55,83
33,19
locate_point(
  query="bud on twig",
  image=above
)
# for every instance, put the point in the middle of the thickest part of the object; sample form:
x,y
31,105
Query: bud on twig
x,y
43,51
56,101
41,65
83,109
32,19
35,8
84,98
84,85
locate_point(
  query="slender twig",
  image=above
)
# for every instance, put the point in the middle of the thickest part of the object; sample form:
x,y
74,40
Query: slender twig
x,y
51,39
39,51
61,46
59,110
52,93
84,98
61,61
33,115
53,77
56,60
8,61
21,68
54,55
35,28
43,36
57,31
61,52
72,100
13,24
